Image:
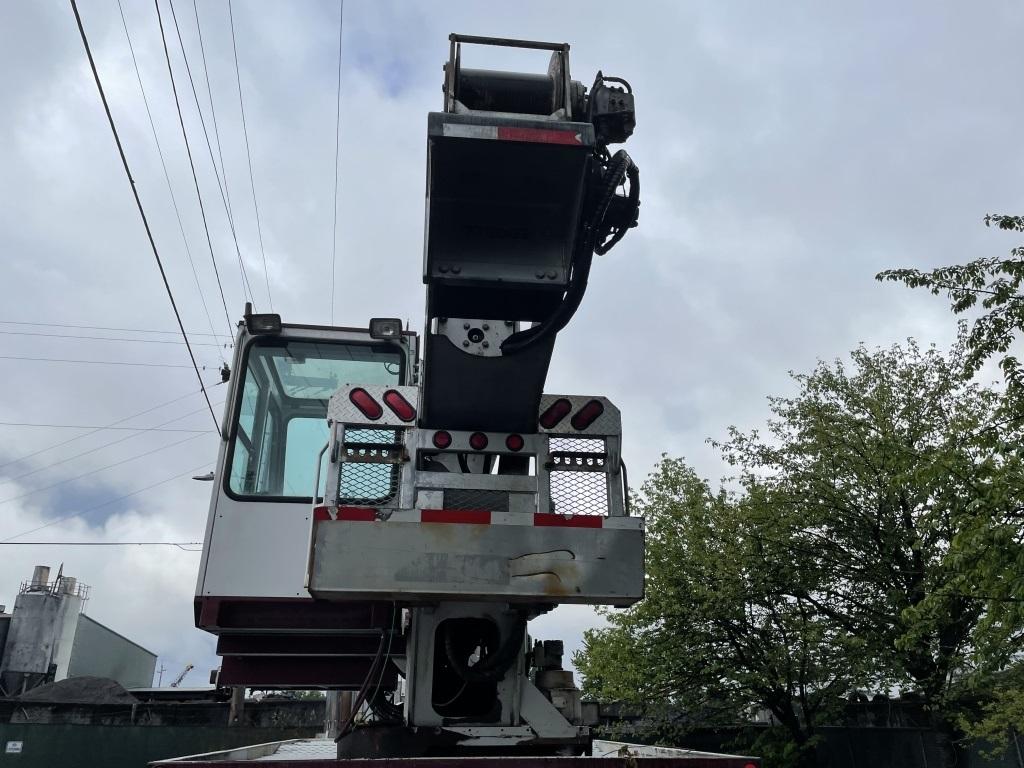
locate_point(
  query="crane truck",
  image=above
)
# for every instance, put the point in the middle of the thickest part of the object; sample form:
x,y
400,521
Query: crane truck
x,y
391,510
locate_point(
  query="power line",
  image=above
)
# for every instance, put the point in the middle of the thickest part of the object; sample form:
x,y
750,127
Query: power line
x,y
142,212
246,288
108,338
105,503
337,146
179,544
155,428
99,469
191,162
111,362
93,430
92,427
984,291
106,328
213,111
167,176
248,154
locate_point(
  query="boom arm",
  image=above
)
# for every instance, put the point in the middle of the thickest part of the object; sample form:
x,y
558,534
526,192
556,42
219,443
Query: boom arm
x,y
522,191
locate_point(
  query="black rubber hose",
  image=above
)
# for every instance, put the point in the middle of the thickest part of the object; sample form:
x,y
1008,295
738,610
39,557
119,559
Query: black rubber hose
x,y
384,709
379,659
357,702
619,168
633,200
491,668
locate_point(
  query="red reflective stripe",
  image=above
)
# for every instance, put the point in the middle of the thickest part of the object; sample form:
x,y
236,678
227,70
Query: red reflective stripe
x,y
357,514
578,521
539,135
321,513
472,516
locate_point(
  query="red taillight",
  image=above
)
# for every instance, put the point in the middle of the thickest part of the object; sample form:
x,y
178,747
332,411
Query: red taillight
x,y
362,400
442,440
478,441
515,442
557,411
587,415
399,405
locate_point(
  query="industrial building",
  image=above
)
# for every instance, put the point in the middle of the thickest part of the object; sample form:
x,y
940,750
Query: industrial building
x,y
48,637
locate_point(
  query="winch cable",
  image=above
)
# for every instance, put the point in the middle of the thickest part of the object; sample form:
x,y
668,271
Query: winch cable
x,y
592,239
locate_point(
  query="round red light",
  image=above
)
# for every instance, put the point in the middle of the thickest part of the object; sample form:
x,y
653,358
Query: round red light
x,y
442,439
515,442
362,400
478,441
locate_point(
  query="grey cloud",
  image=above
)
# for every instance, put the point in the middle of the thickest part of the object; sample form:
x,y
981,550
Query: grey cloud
x,y
788,153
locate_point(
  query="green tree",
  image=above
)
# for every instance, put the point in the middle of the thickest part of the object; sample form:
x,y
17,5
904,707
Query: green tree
x,y
991,284
896,480
991,287
724,625
870,543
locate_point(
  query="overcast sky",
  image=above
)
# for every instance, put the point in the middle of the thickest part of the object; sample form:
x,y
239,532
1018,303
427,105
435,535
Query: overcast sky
x,y
788,153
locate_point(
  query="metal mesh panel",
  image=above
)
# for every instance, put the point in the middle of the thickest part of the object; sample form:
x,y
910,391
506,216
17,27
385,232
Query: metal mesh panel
x,y
368,483
578,491
467,498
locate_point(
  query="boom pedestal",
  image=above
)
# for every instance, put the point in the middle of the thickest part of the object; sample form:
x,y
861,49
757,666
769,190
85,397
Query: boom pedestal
x,y
476,554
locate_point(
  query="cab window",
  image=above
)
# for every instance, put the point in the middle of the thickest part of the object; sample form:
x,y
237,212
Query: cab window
x,y
281,417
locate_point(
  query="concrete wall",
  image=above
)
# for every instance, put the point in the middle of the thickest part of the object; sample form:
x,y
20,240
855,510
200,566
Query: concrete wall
x,y
89,746
100,652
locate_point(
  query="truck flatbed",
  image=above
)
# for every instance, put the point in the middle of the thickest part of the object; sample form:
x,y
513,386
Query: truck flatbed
x,y
318,753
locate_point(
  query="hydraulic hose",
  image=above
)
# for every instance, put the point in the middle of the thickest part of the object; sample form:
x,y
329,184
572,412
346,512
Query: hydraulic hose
x,y
620,167
492,667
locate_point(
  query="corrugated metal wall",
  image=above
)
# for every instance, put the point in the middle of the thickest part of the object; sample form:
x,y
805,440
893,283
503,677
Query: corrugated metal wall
x,y
101,652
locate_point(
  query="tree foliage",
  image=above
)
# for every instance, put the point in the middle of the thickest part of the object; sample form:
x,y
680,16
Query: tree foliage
x,y
848,556
991,284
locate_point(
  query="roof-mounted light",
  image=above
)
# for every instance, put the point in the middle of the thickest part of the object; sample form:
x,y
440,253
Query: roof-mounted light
x,y
263,324
385,328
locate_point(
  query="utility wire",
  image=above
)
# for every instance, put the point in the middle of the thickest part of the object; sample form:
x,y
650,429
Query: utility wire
x,y
179,544
92,430
142,212
105,503
191,163
248,154
113,362
337,147
100,469
167,176
246,288
105,328
108,338
213,111
135,433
